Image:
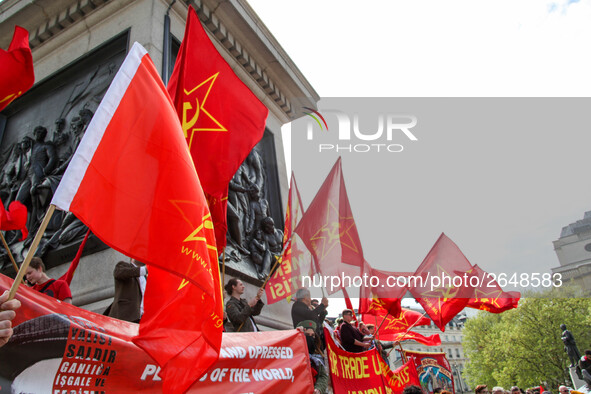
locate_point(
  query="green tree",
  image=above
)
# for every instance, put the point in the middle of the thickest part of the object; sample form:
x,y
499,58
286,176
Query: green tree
x,y
523,346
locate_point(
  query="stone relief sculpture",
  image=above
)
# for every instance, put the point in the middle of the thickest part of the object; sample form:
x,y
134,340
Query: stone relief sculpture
x,y
31,174
253,241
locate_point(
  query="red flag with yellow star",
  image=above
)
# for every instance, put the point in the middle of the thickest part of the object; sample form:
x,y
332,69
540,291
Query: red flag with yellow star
x,y
133,183
329,232
386,293
439,284
16,63
286,279
406,320
222,119
431,340
488,295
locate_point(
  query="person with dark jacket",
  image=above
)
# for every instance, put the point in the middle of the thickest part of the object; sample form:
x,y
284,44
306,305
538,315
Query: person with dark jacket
x,y
351,337
130,285
319,375
240,311
301,309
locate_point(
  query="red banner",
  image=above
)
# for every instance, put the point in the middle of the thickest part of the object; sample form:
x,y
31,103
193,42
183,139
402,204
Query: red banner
x,y
433,370
61,348
365,372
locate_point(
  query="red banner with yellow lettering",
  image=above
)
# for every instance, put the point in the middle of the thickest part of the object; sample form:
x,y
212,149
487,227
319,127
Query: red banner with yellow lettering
x,y
60,348
365,372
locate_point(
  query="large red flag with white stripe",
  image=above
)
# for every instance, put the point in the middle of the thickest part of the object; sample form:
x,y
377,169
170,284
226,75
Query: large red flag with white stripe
x,y
133,183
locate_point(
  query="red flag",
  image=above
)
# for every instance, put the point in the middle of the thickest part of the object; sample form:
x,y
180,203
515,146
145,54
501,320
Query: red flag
x,y
400,378
16,63
385,297
285,280
405,321
15,218
328,230
431,340
222,119
440,292
133,183
69,275
488,295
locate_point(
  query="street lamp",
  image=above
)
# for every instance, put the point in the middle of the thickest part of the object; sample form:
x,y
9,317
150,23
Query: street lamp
x,y
457,376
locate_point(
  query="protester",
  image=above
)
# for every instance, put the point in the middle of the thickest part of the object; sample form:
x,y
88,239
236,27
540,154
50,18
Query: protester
x,y
585,365
315,303
437,390
7,313
351,337
240,312
380,346
498,390
515,390
55,288
301,311
319,374
412,389
481,389
130,285
444,392
564,390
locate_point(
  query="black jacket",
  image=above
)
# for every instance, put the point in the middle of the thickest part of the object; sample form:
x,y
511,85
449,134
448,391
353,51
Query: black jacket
x,y
301,312
239,313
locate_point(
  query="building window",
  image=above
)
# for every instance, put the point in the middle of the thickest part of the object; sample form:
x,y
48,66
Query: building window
x,y
588,247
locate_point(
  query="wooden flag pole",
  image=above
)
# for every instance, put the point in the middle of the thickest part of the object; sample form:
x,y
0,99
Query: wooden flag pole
x,y
31,252
382,323
9,252
277,260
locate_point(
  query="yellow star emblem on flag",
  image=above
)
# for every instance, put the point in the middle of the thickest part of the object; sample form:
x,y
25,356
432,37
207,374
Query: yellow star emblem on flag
x,y
199,94
336,230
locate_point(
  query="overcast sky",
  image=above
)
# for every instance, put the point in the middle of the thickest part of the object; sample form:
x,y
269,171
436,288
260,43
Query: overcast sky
x,y
528,48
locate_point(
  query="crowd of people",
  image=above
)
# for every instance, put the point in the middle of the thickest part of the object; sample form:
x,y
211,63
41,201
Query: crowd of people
x,y
308,316
483,389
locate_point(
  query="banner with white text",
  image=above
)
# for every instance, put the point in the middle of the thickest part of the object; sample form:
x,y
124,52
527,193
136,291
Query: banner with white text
x,y
59,348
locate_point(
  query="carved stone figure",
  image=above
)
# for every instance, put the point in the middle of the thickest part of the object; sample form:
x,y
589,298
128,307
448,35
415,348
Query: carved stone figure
x,y
273,243
570,346
259,209
42,162
238,209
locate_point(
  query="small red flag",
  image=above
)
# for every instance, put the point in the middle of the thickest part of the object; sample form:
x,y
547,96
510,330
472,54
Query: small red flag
x,y
385,298
440,292
285,280
221,118
133,183
329,232
15,218
431,340
16,63
405,321
488,295
69,275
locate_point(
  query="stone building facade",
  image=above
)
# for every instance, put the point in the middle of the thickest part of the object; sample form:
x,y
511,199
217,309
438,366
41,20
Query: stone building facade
x,y
573,250
77,47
